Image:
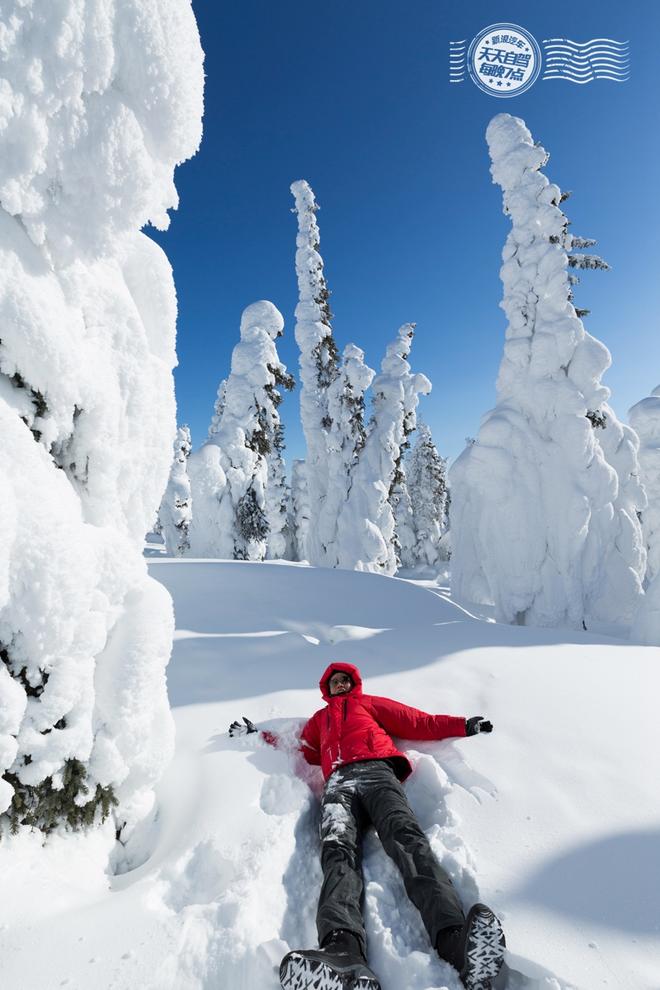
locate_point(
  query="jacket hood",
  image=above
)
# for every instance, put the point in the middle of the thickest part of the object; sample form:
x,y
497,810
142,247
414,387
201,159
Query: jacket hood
x,y
346,668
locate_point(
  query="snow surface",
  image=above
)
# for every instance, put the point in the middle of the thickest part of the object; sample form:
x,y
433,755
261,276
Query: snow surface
x,y
553,819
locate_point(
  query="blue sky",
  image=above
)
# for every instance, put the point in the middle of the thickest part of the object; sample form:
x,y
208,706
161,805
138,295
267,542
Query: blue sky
x,y
354,96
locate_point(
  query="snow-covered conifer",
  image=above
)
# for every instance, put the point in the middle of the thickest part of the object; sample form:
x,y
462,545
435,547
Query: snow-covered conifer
x,y
229,487
318,362
105,99
277,499
404,529
366,534
644,418
427,484
175,510
536,520
298,510
218,407
345,439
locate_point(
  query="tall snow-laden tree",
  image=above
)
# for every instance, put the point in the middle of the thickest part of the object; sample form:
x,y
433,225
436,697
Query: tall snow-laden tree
x,y
537,521
230,487
318,365
298,510
366,534
106,99
175,511
427,484
218,407
644,418
622,560
277,499
345,439
404,528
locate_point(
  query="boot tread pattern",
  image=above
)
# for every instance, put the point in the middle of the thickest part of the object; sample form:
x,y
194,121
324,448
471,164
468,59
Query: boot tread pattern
x,y
484,951
311,974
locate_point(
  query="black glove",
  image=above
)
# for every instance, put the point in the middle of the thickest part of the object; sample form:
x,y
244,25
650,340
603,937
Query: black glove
x,y
236,729
477,724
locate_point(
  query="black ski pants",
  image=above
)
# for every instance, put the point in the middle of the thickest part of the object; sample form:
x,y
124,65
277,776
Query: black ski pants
x,y
355,796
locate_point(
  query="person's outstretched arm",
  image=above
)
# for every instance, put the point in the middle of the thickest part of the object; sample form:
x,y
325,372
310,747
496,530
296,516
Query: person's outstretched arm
x,y
411,723
310,742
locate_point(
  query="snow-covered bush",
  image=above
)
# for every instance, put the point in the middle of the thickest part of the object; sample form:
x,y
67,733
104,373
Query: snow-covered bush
x,y
366,533
644,418
318,366
232,514
175,510
427,484
99,101
540,525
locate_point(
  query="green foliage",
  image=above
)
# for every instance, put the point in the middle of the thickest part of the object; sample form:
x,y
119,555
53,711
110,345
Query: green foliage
x,y
44,806
597,419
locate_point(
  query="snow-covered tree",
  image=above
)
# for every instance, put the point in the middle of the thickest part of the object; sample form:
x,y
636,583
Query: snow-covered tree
x,y
277,499
537,521
366,534
427,484
105,100
345,439
218,407
318,363
404,527
230,483
298,510
644,418
175,510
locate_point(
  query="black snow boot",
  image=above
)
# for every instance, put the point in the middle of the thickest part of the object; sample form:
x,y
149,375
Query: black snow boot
x,y
338,965
476,949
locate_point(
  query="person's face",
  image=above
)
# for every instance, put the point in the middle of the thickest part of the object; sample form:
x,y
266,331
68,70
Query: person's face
x,y
340,683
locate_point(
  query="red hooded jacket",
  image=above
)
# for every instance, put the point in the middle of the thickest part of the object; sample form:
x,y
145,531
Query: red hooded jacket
x,y
356,726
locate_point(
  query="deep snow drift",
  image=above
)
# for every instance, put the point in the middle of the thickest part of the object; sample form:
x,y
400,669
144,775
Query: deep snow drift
x,y
553,819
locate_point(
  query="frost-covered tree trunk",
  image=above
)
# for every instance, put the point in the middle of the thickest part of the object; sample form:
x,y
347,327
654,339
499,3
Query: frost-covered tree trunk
x,y
644,418
427,485
229,474
318,368
105,100
299,510
366,534
175,511
537,516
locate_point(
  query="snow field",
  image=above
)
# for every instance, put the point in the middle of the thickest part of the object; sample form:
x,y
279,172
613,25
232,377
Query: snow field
x,y
552,819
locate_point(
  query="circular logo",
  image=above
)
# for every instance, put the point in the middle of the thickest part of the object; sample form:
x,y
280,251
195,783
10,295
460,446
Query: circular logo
x,y
504,60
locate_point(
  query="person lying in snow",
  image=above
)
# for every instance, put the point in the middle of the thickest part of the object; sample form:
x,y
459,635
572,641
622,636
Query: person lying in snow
x,y
350,738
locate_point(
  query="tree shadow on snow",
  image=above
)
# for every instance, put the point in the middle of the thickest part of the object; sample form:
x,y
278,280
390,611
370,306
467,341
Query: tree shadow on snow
x,y
613,882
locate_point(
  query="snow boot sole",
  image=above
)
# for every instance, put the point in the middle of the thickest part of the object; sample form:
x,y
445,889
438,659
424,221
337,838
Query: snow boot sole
x,y
308,970
484,948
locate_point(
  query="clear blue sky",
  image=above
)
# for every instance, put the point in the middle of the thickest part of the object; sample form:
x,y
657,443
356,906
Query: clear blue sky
x,y
353,95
